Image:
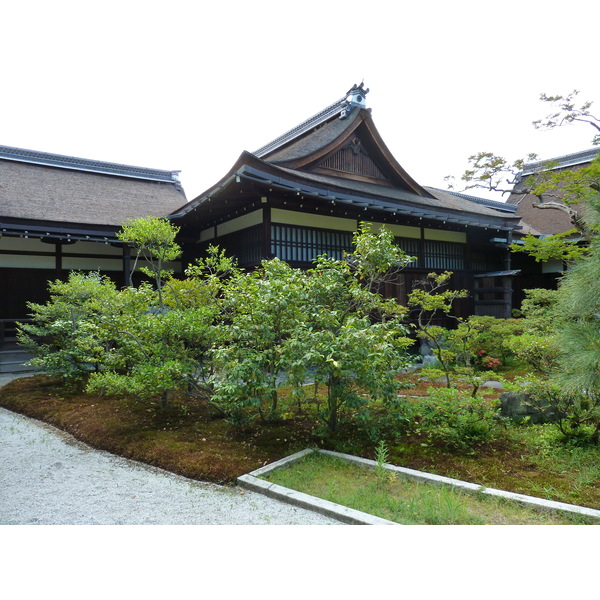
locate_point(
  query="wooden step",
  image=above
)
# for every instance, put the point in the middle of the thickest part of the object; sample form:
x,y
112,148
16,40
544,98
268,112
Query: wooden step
x,y
12,361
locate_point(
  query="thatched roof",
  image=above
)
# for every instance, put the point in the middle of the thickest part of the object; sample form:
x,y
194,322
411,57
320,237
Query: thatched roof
x,y
38,186
549,221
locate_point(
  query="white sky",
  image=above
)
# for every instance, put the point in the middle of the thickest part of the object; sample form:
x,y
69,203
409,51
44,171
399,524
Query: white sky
x,y
188,86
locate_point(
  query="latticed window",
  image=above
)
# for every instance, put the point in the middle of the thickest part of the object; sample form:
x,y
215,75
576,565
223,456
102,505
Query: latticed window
x,y
411,247
246,245
444,255
301,244
486,261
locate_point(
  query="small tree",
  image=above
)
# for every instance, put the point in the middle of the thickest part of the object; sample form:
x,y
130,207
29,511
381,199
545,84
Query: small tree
x,y
354,341
264,310
428,301
154,240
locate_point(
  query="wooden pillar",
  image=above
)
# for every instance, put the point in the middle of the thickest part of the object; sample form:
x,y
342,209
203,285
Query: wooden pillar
x,y
507,256
126,265
58,256
266,232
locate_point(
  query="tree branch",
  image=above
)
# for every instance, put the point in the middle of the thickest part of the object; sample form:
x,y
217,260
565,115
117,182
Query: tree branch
x,y
574,216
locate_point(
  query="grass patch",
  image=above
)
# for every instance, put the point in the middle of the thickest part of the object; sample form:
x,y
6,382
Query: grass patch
x,y
397,498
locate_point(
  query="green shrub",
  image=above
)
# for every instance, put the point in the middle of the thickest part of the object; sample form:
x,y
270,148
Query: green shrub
x,y
539,310
478,341
70,335
539,351
456,419
576,414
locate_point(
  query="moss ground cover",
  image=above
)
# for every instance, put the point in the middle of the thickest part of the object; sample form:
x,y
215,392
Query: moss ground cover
x,y
188,438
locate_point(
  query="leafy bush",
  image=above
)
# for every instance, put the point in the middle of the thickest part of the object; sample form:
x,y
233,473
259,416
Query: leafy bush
x,y
539,351
576,414
539,310
479,341
167,344
70,335
156,353
264,310
456,419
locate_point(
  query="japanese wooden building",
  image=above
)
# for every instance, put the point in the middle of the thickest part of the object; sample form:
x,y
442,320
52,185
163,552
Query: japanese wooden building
x,y
306,192
301,195
61,213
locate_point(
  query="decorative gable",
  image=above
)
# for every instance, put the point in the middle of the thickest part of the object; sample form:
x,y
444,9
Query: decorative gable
x,y
353,158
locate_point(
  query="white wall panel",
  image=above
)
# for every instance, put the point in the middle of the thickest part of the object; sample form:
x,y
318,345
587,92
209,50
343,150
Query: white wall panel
x,y
288,217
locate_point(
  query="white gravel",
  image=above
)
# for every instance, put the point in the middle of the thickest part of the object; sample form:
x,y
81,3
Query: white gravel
x,y
47,477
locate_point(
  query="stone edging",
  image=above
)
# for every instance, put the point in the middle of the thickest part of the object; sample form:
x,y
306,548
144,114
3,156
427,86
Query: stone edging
x,y
252,482
350,516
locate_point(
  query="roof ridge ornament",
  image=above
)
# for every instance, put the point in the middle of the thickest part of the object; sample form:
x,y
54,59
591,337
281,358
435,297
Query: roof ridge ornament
x,y
355,96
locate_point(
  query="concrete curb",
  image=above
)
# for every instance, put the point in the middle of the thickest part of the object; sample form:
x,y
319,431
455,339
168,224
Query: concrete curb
x,y
476,488
350,516
253,482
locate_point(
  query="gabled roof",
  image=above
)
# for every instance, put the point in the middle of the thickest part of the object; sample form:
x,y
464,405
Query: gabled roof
x,y
338,156
43,187
341,141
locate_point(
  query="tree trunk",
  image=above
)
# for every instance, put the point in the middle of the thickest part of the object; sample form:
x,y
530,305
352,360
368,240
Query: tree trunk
x,y
164,400
334,401
274,399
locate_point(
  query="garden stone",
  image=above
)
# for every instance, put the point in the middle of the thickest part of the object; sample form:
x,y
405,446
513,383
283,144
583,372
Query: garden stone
x,y
430,361
520,406
425,348
493,384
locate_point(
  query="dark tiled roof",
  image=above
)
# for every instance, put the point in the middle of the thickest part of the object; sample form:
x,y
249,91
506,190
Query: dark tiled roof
x,y
75,193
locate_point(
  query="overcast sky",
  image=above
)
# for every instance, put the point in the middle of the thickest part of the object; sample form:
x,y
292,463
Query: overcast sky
x,y
189,85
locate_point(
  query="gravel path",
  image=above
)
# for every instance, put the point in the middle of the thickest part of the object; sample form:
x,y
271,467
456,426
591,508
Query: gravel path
x,y
47,477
